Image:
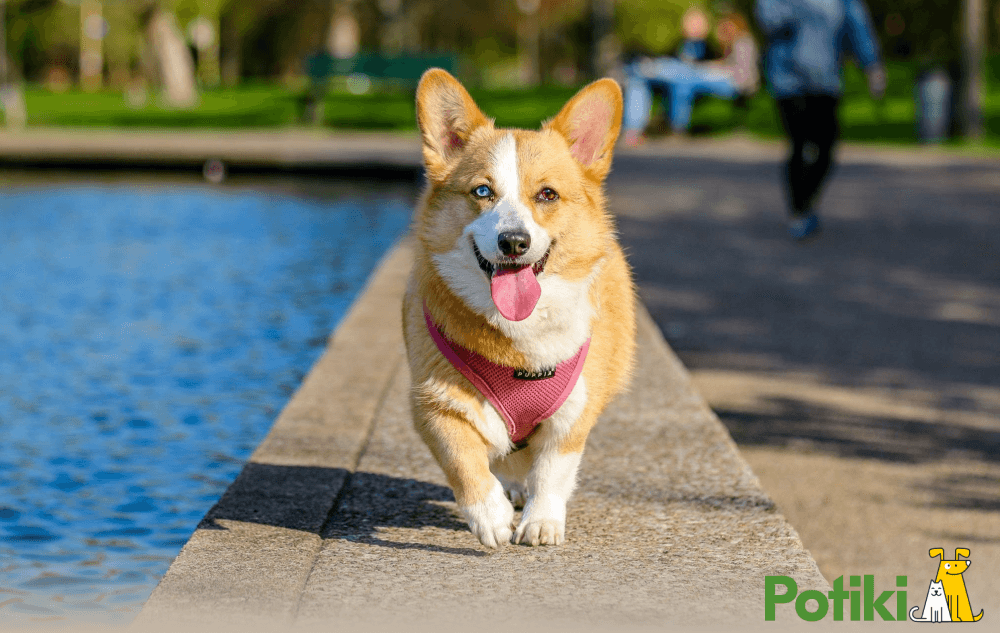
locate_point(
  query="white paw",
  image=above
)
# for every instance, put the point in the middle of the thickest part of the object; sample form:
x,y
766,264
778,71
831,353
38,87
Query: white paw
x,y
543,523
492,520
516,493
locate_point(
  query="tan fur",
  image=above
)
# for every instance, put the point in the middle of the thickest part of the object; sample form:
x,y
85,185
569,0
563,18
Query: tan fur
x,y
458,140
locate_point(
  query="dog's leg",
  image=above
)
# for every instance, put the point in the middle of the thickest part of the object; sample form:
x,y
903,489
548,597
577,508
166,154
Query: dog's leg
x,y
512,470
555,450
550,484
464,457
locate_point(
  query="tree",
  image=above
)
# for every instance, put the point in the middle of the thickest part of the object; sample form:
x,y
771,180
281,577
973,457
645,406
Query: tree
x,y
173,59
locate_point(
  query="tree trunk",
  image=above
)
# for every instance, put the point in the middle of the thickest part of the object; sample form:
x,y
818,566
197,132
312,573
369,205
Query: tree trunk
x,y
605,45
174,59
973,46
91,45
230,53
343,38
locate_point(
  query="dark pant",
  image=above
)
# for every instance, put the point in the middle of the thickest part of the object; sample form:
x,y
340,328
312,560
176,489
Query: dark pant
x,y
811,124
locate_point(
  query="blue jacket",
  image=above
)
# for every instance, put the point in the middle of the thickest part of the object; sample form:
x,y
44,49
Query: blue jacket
x,y
806,40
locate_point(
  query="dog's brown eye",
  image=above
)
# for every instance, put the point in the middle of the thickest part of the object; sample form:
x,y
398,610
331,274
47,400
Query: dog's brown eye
x,y
547,195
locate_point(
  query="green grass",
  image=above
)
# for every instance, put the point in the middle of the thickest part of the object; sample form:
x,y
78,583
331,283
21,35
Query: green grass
x,y
254,107
266,106
272,107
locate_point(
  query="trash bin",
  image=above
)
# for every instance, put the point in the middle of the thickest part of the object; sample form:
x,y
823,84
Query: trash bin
x,y
933,95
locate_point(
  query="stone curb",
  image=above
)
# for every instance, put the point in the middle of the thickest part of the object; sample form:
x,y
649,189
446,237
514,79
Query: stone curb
x,y
341,517
305,149
294,149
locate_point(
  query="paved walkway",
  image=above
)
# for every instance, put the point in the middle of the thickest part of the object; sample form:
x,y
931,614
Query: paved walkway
x,y
343,516
298,148
859,374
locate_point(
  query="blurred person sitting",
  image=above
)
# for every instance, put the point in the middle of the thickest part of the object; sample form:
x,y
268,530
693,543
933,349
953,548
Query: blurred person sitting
x,y
739,53
806,40
684,78
695,25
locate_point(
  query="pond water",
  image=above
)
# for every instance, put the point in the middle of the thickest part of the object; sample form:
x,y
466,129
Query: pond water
x,y
150,334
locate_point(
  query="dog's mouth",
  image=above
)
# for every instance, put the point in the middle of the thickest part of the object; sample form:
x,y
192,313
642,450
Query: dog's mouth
x,y
508,263
513,284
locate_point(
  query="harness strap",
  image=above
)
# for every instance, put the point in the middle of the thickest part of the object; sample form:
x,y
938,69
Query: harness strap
x,y
522,398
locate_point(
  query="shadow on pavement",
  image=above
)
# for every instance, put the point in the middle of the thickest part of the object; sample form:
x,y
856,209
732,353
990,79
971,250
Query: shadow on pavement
x,y
903,286
375,501
830,430
901,294
966,491
337,504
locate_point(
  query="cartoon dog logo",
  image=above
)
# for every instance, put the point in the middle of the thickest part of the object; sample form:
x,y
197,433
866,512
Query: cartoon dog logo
x,y
947,598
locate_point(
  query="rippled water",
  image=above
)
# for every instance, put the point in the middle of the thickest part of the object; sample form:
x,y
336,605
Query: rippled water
x,y
148,337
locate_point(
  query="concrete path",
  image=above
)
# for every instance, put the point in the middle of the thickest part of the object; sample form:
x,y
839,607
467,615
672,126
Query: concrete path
x,y
307,148
342,515
860,373
299,149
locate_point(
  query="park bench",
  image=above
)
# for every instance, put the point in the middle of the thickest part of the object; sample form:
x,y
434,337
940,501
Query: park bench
x,y
400,71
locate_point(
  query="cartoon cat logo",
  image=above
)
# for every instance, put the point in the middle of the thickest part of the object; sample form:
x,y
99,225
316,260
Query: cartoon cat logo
x,y
947,598
935,606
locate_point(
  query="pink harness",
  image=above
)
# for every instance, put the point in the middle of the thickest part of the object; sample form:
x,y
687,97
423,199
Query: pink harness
x,y
523,398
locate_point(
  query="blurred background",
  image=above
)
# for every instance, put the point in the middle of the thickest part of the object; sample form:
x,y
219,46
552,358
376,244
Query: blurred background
x,y
353,63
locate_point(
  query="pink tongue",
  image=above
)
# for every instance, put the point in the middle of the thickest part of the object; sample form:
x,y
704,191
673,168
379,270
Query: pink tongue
x,y
515,292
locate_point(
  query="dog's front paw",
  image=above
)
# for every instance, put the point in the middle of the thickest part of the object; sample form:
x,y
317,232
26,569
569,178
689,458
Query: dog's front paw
x,y
491,520
543,523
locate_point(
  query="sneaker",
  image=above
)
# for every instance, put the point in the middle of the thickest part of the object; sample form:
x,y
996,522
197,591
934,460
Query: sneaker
x,y
804,227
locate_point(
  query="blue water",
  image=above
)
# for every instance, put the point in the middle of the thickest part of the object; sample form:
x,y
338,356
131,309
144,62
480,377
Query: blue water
x,y
148,338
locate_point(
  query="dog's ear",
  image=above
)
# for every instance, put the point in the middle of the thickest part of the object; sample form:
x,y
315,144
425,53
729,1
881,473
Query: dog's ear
x,y
590,123
447,116
961,551
937,551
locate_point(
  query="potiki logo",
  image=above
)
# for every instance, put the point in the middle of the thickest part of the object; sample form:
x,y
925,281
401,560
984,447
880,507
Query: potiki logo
x,y
947,598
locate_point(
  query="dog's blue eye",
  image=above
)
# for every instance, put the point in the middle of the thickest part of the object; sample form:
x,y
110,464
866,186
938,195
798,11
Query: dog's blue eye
x,y
482,191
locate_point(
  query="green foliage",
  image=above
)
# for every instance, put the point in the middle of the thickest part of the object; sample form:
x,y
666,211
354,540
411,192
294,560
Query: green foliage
x,y
651,27
267,106
247,107
123,43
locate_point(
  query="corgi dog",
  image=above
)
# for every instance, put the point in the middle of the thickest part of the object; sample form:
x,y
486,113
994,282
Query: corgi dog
x,y
519,314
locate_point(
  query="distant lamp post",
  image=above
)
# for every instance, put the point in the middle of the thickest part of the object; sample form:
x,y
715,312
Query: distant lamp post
x,y
529,45
93,29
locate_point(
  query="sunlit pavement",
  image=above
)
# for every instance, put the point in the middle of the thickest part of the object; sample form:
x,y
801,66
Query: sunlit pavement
x,y
343,516
860,373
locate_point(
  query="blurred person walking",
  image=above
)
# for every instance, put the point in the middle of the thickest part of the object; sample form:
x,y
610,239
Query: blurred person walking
x,y
806,40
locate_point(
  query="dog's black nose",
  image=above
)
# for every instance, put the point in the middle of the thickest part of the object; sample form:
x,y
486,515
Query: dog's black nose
x,y
514,243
